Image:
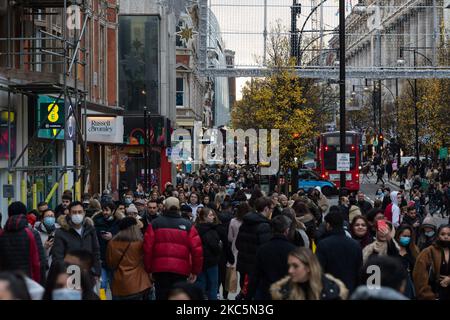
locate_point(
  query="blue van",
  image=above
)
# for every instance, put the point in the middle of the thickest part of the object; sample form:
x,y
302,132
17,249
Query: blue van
x,y
308,179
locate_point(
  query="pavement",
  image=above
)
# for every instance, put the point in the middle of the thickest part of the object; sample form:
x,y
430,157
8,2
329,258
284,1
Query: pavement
x,y
369,188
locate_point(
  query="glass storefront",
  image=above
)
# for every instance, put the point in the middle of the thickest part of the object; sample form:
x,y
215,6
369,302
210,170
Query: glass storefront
x,y
139,63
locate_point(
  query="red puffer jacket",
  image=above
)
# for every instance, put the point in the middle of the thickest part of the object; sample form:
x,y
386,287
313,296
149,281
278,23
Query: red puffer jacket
x,y
172,244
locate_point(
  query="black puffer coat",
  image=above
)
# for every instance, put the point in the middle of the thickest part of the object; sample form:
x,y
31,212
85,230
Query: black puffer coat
x,y
212,246
254,231
67,239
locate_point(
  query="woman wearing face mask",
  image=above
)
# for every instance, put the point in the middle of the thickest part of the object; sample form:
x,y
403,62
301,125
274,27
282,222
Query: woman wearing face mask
x,y
405,237
427,233
106,225
379,194
359,229
432,271
58,280
306,280
206,225
384,243
46,229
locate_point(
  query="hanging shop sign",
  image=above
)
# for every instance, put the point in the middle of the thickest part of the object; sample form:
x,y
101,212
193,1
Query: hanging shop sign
x,y
104,129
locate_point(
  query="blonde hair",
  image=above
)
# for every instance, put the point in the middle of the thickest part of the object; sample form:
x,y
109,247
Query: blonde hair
x,y
314,287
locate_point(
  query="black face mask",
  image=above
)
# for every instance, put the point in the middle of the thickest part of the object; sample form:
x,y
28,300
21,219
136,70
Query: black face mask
x,y
443,243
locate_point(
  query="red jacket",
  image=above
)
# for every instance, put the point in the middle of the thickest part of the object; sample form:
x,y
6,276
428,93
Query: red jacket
x,y
172,244
388,212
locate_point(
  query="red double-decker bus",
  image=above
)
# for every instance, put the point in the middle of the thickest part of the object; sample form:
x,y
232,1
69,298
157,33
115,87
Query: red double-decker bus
x,y
328,145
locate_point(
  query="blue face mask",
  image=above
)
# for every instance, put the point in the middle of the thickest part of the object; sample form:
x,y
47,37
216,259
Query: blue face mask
x,y
128,200
404,241
49,221
66,294
429,234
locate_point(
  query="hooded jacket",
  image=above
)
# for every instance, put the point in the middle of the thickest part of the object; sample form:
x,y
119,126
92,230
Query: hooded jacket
x,y
333,289
392,212
423,241
172,244
67,239
254,231
21,249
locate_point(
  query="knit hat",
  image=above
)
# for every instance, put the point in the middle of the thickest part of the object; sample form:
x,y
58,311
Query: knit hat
x,y
132,209
127,222
140,202
172,202
428,222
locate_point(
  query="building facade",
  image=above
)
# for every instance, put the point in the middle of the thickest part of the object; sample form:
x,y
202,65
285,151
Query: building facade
x,y
54,61
147,81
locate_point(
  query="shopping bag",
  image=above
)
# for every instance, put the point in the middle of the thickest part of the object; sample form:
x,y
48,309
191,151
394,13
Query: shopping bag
x,y
231,280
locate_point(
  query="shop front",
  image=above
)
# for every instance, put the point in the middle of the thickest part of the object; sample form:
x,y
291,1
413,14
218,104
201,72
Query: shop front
x,y
104,139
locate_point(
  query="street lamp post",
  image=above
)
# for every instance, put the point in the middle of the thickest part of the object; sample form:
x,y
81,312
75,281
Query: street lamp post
x,y
342,84
414,89
145,151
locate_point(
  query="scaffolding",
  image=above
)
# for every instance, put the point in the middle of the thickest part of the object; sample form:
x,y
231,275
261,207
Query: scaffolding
x,y
49,63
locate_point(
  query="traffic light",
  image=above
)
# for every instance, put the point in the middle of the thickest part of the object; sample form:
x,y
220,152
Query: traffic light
x,y
380,140
296,136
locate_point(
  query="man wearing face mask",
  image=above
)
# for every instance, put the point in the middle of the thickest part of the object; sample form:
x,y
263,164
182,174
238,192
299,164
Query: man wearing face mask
x,y
129,198
77,232
106,225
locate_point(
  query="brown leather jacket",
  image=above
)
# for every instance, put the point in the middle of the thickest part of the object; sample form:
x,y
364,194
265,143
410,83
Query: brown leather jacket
x,y
129,276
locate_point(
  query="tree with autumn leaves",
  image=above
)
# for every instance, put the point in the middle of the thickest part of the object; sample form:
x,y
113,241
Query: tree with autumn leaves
x,y
433,105
280,101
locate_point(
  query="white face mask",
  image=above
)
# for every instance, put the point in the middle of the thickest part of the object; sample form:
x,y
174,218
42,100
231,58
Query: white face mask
x,y
66,294
77,219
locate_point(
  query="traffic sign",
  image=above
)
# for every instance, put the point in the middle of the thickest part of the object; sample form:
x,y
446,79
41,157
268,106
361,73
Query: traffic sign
x,y
343,161
8,191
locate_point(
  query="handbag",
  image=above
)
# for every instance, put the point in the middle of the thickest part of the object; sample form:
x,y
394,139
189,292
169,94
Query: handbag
x,y
231,280
432,279
120,260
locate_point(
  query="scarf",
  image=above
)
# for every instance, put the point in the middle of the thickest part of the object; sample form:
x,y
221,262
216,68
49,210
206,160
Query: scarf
x,y
376,247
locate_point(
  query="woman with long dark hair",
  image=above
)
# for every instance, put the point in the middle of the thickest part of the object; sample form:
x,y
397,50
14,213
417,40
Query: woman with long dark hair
x,y
405,237
60,287
360,231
